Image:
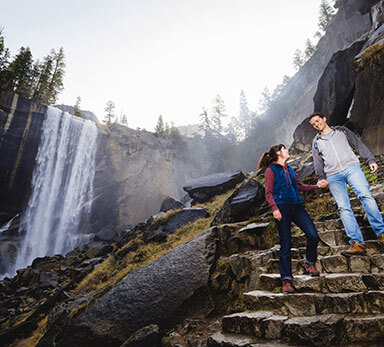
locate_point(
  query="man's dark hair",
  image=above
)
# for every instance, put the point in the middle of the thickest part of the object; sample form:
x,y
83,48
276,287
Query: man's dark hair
x,y
314,114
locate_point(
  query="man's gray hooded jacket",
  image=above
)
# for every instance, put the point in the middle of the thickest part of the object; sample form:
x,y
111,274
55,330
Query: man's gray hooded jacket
x,y
332,152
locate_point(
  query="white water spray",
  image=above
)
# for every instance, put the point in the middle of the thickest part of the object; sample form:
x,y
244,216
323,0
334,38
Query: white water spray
x,y
62,188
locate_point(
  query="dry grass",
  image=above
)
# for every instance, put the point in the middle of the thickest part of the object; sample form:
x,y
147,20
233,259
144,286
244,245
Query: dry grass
x,y
35,337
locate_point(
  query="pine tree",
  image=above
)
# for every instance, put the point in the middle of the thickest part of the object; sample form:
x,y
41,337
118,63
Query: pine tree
x,y
217,115
42,84
109,113
205,122
159,128
326,13
244,116
4,58
77,107
298,59
20,73
124,119
309,49
55,83
265,100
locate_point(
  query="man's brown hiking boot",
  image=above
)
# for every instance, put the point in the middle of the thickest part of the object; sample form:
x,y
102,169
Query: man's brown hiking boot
x,y
381,239
311,270
288,287
356,248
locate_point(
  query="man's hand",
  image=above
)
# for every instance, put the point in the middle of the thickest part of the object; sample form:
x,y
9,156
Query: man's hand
x,y
322,183
277,215
374,167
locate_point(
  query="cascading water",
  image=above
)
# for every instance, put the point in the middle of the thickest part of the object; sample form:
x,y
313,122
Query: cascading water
x,y
62,188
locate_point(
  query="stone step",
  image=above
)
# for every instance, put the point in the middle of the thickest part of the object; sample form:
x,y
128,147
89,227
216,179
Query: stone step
x,y
326,283
309,304
317,330
333,237
235,340
371,263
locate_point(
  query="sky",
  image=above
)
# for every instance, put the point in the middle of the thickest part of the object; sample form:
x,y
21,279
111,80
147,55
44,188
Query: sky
x,y
163,57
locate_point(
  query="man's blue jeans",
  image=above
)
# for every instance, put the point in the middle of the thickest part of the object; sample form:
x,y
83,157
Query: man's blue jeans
x,y
355,177
295,213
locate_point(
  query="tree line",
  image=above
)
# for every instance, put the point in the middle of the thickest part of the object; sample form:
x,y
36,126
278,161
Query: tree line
x,y
326,13
41,81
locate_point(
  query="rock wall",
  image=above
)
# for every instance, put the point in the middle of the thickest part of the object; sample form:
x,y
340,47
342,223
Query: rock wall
x,y
351,21
350,88
20,129
139,169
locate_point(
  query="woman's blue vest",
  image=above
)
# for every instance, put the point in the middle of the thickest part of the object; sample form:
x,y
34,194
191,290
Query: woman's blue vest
x,y
285,189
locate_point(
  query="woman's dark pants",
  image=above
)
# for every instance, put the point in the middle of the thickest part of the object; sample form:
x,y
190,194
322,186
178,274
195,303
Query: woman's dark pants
x,y
295,213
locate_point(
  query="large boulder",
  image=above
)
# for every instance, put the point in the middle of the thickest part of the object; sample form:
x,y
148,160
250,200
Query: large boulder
x,y
202,189
160,293
337,84
242,204
170,203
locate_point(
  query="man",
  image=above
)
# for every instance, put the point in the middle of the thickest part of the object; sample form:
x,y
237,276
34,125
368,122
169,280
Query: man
x,y
337,165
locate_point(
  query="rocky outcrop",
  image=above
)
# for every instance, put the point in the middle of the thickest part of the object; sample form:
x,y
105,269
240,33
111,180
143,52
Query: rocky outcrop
x,y
242,204
138,169
351,21
159,293
336,86
202,189
366,115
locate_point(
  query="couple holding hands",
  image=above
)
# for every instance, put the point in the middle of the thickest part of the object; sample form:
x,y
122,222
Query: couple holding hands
x,y
336,165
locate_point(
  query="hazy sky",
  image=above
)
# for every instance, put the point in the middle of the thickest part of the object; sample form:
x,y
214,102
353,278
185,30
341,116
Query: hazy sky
x,y
168,57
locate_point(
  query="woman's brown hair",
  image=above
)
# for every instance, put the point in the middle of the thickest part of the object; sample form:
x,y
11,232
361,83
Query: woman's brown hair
x,y
270,156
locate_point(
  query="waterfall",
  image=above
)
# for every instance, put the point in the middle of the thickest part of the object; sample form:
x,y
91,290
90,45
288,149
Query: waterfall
x,y
56,218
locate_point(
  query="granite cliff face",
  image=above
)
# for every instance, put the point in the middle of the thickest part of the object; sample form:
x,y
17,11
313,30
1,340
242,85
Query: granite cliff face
x,y
349,90
135,170
352,20
138,169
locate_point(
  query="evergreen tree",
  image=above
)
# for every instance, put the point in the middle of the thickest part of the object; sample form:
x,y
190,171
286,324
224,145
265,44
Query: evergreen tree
x,y
244,117
217,115
309,49
159,128
4,58
326,13
55,83
205,122
42,84
20,73
124,119
298,59
77,107
109,113
265,100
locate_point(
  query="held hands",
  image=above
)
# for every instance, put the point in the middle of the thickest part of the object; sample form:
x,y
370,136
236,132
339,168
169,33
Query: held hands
x,y
374,167
322,183
277,215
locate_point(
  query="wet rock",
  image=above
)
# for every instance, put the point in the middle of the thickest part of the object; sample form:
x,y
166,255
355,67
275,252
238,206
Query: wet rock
x,y
317,330
202,189
170,204
242,204
144,337
107,233
159,293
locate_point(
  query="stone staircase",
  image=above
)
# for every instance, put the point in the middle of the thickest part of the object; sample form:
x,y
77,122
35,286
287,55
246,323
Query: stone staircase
x,y
344,305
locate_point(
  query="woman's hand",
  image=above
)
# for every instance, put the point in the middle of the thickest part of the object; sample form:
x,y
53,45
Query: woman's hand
x,y
277,215
322,183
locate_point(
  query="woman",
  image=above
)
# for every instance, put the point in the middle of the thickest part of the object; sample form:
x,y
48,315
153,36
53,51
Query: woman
x,y
282,187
